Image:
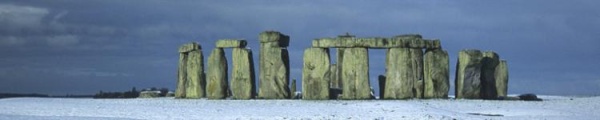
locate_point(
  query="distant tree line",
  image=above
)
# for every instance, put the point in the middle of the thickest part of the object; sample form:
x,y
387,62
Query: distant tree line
x,y
9,95
133,93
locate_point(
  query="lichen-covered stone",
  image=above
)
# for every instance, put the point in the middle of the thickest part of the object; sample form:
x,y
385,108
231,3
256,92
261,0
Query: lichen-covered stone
x,y
400,74
194,72
502,78
149,94
468,74
489,63
181,76
418,89
189,47
217,75
316,74
274,66
416,58
231,43
375,43
436,74
335,82
355,73
242,76
279,40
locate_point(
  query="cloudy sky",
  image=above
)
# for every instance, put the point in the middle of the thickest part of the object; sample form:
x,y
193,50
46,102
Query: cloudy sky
x,y
81,47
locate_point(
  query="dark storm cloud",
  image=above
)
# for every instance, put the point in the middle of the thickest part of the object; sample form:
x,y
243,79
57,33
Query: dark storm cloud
x,y
113,45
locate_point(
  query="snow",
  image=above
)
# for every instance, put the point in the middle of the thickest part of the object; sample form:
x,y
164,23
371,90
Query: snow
x,y
553,107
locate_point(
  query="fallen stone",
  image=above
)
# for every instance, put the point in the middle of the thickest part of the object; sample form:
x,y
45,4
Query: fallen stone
x,y
231,43
502,79
400,74
489,63
468,74
529,97
355,73
436,74
189,47
149,94
217,75
242,76
195,72
315,74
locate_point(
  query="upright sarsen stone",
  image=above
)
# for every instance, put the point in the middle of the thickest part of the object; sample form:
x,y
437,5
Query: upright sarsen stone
x,y
217,75
381,81
274,66
489,63
400,74
436,74
242,76
502,79
195,71
316,74
335,82
468,74
181,76
416,57
355,73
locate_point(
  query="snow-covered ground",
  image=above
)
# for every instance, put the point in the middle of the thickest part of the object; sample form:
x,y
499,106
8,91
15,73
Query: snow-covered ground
x,y
553,107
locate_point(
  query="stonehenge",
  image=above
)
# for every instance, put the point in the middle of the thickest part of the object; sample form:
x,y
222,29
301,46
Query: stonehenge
x,y
415,68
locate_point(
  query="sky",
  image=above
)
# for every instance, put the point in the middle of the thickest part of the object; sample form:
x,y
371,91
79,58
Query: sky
x,y
63,47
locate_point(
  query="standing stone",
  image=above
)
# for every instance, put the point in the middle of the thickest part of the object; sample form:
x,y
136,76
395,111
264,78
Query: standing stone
x,y
194,72
436,69
489,63
335,83
217,75
293,89
468,74
416,56
274,66
315,74
502,79
381,79
181,76
400,76
355,73
242,76
338,71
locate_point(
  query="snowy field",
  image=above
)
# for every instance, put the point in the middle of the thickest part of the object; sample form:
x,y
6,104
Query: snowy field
x,y
553,107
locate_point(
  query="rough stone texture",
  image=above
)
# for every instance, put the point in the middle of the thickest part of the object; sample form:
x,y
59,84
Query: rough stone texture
x,y
242,76
316,74
489,63
274,66
418,89
416,59
279,40
502,79
194,73
436,74
217,75
355,73
400,76
293,89
181,76
335,82
149,94
381,81
231,43
468,74
376,43
189,47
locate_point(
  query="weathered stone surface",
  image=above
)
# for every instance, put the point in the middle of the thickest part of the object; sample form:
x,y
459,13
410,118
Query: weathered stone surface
x,y
335,82
489,63
274,66
189,47
355,73
231,43
279,40
293,89
400,74
468,74
416,58
436,74
217,75
376,43
181,76
242,76
149,94
418,88
194,73
381,81
502,79
316,74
